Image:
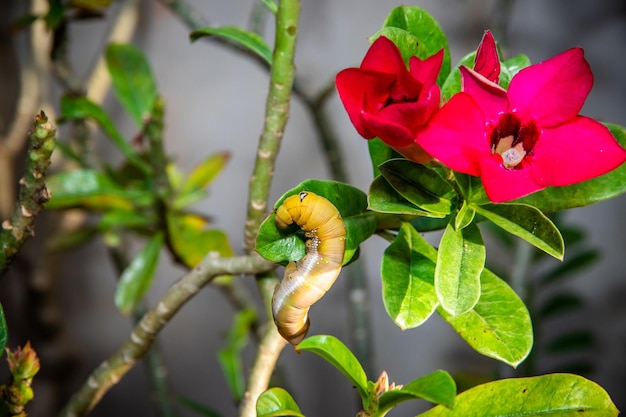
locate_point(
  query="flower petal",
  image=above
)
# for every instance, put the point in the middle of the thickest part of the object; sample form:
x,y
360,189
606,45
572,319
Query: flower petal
x,y
552,91
502,184
353,84
384,56
489,96
456,135
575,151
487,62
426,71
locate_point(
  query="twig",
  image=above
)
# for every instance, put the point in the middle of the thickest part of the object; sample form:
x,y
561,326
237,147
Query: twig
x,y
143,335
33,192
264,363
276,115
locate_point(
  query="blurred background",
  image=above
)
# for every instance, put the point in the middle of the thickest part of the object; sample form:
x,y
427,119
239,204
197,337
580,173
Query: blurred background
x,y
215,97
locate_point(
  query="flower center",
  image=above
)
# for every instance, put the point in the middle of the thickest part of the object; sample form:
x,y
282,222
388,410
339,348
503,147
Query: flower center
x,y
513,139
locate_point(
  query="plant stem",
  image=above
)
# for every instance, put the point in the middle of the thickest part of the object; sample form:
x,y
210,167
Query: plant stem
x,y
32,194
144,334
268,352
276,115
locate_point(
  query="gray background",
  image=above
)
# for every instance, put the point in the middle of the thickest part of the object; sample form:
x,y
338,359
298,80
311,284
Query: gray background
x,y
215,102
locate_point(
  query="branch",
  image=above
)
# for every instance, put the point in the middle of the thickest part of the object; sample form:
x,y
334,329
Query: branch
x,y
33,192
276,115
143,335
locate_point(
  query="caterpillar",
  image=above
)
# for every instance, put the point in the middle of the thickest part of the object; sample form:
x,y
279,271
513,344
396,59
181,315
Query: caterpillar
x,y
308,279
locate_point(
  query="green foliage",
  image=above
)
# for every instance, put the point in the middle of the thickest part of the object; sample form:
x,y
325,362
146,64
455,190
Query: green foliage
x,y
244,38
277,402
132,78
137,277
276,246
4,331
229,357
557,395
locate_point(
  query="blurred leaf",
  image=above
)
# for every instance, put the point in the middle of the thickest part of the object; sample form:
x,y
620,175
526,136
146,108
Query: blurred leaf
x,y
460,261
351,202
464,216
197,407
571,265
81,108
90,4
420,185
277,402
337,354
571,342
526,222
585,193
123,219
22,22
94,190
248,40
419,23
55,15
137,277
382,198
271,5
193,187
132,78
560,303
407,279
4,331
192,242
72,239
557,395
229,357
499,326
437,387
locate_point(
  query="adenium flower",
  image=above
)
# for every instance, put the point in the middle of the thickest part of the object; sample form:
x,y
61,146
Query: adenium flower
x,y
385,99
487,62
528,138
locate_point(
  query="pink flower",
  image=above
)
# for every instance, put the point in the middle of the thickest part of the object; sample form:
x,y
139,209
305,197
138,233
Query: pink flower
x,y
487,62
528,138
384,99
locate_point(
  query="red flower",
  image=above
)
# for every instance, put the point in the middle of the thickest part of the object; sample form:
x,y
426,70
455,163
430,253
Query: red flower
x,y
487,62
529,138
384,99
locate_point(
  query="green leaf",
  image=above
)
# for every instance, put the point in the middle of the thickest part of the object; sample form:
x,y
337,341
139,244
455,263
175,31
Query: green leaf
x,y
337,354
277,402
123,219
276,246
526,222
4,331
271,5
81,108
247,39
460,261
499,326
598,189
229,357
556,395
383,198
408,44
452,83
193,187
510,67
407,279
132,79
464,216
420,185
426,29
94,190
437,387
380,152
137,277
191,241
